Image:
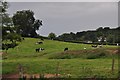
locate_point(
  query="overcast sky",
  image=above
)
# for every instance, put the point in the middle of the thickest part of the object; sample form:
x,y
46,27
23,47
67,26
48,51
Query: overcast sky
x,y
62,17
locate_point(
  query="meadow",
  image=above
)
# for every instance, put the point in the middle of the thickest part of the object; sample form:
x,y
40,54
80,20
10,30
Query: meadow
x,y
75,63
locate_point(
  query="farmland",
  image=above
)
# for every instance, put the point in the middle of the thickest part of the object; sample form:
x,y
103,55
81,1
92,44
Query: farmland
x,y
75,63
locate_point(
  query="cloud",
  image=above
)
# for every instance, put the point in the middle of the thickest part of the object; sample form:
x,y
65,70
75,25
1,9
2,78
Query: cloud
x,y
62,0
59,17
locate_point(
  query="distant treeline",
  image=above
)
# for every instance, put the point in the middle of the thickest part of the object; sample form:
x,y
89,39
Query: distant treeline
x,y
100,35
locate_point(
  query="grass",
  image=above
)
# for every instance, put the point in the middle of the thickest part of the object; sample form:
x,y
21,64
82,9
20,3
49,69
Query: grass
x,y
77,64
28,46
88,54
75,67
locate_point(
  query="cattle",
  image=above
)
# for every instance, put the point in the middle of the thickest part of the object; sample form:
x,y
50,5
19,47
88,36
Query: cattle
x,y
94,46
39,49
84,48
42,39
117,44
100,46
66,49
23,38
39,42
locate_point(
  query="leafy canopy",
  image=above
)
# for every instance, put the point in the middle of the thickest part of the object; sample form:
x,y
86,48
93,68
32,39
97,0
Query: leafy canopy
x,y
26,23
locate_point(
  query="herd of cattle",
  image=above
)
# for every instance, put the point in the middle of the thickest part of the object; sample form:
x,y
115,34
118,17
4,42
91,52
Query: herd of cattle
x,y
65,49
41,49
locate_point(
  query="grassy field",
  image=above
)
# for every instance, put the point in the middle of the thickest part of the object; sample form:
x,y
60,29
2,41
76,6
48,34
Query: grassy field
x,y
45,62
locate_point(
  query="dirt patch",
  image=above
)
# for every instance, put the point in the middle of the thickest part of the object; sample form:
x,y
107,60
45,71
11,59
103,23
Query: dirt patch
x,y
1,53
15,76
112,51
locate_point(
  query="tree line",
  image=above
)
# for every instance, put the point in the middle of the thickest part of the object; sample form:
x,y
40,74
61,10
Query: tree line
x,y
100,35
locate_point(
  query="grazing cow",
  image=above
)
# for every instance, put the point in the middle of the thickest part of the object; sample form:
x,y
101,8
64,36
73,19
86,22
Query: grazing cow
x,y
100,46
84,48
117,44
39,49
65,49
23,38
94,46
39,42
42,39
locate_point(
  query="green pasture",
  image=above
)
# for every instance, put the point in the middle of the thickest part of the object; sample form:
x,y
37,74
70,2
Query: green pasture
x,y
75,67
41,62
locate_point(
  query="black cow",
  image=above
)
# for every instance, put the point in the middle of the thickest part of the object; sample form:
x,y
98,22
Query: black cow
x,y
65,49
42,39
23,38
37,50
40,42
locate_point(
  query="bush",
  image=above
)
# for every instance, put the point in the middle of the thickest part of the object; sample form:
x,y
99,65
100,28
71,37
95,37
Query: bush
x,y
96,55
62,56
89,54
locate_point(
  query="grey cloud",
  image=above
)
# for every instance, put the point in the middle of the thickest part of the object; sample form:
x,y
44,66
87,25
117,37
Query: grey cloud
x,y
71,16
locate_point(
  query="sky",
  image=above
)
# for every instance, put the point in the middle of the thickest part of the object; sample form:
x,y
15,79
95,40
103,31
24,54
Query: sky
x,y
65,17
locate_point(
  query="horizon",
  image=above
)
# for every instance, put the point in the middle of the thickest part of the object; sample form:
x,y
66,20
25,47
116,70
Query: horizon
x,y
80,31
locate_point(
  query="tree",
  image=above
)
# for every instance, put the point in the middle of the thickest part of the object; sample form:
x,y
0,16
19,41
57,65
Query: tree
x,y
26,24
99,29
66,37
8,30
52,36
6,20
90,36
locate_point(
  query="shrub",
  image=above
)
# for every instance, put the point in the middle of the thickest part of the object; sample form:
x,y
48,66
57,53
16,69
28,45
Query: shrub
x,y
96,55
89,54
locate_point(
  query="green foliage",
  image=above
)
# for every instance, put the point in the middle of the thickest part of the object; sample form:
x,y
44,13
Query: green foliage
x,y
4,6
52,36
25,23
9,40
66,37
85,54
97,55
90,36
13,37
8,30
105,35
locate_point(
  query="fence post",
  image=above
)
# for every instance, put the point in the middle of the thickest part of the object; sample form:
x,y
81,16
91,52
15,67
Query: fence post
x,y
20,68
113,62
57,69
